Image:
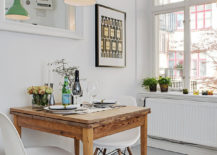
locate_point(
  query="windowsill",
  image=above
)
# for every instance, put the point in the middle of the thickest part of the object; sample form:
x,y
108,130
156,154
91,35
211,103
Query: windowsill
x,y
179,96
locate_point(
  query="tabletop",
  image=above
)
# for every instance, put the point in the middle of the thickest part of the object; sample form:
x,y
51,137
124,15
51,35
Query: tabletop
x,y
116,114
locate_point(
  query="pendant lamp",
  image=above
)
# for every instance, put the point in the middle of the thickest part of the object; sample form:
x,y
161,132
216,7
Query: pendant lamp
x,y
80,2
17,11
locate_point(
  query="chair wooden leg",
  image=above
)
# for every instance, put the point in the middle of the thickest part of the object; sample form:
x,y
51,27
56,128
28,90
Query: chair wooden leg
x,y
119,152
129,150
96,151
77,146
104,152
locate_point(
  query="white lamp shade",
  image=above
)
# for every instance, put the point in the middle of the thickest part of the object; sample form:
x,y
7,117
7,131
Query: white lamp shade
x,y
80,2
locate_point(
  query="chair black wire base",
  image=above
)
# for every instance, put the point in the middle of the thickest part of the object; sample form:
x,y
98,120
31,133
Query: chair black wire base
x,y
114,152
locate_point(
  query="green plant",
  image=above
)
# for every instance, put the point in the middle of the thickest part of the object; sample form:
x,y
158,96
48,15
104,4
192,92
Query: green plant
x,y
179,66
185,91
165,81
149,82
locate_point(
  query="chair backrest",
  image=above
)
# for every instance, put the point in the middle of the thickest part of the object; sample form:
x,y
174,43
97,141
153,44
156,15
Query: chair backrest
x,y
127,100
11,139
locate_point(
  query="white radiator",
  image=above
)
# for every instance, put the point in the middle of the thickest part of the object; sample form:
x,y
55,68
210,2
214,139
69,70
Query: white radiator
x,y
186,121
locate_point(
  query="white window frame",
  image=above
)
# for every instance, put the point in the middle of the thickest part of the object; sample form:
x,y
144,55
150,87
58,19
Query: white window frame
x,y
168,8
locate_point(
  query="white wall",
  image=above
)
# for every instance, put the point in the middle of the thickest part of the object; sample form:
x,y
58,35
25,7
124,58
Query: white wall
x,y
22,57
144,37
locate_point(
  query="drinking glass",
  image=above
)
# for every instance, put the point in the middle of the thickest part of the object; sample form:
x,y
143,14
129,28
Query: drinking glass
x,y
77,92
92,90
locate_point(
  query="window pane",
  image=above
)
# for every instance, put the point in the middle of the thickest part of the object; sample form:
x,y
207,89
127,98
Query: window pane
x,y
208,19
200,8
171,64
200,20
180,19
170,29
204,49
201,16
193,9
202,68
171,55
193,20
208,6
163,2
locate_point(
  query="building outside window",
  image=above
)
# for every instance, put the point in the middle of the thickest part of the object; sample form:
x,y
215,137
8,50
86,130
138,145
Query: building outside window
x,y
199,70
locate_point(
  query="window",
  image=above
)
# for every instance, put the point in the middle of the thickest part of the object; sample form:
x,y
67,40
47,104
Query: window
x,y
201,16
203,47
163,2
198,65
190,59
172,56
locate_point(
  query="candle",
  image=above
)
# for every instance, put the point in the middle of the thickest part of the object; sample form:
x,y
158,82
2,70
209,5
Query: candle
x,y
45,74
49,74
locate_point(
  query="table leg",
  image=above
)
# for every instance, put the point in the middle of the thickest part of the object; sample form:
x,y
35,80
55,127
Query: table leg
x,y
87,141
144,130
77,146
16,125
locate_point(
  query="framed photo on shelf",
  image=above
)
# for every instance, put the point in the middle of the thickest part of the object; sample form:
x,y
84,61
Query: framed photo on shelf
x,y
110,37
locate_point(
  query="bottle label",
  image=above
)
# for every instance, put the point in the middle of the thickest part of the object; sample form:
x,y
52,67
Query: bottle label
x,y
66,99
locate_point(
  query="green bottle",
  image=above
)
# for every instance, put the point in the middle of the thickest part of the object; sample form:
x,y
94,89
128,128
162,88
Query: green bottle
x,y
66,93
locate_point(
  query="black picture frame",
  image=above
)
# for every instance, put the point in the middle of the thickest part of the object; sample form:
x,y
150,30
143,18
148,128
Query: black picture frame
x,y
110,48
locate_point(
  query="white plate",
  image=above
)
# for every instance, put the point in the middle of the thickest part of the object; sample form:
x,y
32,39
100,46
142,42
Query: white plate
x,y
66,111
61,107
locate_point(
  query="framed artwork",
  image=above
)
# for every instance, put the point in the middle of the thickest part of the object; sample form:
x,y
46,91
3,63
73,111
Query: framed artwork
x,y
110,37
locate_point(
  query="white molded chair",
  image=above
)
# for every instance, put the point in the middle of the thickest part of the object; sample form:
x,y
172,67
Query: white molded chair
x,y
14,146
122,140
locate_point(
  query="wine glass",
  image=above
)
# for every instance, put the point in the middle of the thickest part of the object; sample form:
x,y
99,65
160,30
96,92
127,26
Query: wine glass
x,y
77,92
92,90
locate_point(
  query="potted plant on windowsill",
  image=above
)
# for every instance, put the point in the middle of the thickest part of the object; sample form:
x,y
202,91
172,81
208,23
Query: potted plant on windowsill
x,y
164,83
150,83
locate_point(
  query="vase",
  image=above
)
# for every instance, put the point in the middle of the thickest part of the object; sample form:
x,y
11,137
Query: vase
x,y
164,87
153,88
185,91
39,101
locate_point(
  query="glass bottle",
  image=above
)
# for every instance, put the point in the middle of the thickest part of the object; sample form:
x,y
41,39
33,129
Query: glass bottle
x,y
66,93
76,90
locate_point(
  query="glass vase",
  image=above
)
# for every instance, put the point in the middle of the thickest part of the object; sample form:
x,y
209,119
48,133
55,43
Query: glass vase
x,y
39,101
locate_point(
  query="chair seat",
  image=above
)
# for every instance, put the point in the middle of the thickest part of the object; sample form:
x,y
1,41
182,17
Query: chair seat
x,y
46,151
119,140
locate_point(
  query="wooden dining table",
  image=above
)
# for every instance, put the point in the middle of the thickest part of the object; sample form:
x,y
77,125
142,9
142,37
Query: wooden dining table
x,y
86,127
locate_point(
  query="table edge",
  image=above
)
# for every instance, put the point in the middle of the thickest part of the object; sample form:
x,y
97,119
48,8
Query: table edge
x,y
16,111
